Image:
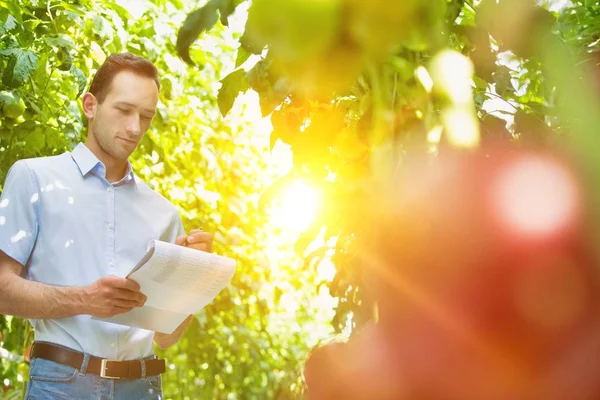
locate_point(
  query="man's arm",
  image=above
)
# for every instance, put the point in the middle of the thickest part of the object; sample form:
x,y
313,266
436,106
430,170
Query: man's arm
x,y
23,298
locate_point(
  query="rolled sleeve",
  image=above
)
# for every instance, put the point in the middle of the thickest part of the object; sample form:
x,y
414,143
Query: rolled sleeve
x,y
19,212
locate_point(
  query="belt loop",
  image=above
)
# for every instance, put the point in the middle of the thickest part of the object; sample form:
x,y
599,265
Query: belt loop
x,y
143,363
31,350
84,364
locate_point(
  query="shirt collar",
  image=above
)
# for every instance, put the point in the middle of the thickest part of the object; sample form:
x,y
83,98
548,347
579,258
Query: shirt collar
x,y
86,162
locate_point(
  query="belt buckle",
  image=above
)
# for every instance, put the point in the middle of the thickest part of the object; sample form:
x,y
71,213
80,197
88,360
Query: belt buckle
x,y
103,369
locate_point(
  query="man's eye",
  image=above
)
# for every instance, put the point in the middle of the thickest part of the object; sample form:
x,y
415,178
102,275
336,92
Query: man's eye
x,y
123,110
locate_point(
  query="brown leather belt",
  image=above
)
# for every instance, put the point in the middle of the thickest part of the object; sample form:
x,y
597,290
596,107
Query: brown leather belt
x,y
109,369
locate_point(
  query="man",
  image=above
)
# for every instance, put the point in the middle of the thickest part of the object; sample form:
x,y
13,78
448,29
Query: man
x,y
70,225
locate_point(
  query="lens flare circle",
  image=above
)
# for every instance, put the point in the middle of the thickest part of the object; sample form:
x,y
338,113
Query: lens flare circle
x,y
536,195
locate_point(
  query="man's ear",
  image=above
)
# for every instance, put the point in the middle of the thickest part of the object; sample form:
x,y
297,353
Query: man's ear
x,y
89,104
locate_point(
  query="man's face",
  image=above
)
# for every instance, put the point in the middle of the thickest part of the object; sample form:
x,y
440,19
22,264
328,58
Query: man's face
x,y
120,121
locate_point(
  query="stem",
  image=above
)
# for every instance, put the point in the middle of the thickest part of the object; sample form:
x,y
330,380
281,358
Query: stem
x,y
468,3
394,91
50,16
501,98
377,101
43,96
37,97
48,82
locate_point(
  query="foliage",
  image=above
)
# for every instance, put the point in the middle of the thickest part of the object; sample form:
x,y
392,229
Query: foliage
x,y
351,87
355,87
251,341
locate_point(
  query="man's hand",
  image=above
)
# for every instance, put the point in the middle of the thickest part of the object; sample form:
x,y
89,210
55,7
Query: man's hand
x,y
166,340
196,239
112,295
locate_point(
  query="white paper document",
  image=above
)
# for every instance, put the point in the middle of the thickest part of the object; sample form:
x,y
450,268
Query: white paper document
x,y
177,281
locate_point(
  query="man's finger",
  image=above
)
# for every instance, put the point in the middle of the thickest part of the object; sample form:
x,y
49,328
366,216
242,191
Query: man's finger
x,y
124,294
200,237
126,303
124,283
130,284
180,240
200,246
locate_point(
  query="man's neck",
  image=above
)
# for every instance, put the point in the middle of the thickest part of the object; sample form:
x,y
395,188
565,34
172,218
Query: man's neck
x,y
115,168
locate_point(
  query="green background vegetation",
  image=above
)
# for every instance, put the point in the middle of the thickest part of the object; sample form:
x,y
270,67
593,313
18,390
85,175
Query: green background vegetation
x,y
343,86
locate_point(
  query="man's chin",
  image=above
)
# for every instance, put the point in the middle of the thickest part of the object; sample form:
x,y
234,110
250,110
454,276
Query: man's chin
x,y
125,148
122,154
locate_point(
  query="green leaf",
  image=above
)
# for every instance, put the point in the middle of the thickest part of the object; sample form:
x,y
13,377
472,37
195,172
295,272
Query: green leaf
x,y
13,9
41,74
233,84
11,52
97,53
80,78
79,9
201,20
11,23
242,56
66,59
60,40
286,125
252,46
270,98
20,67
502,78
35,142
270,95
102,27
33,134
196,22
37,109
226,9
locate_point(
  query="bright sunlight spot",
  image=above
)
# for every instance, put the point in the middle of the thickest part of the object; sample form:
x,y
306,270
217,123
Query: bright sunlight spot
x,y
296,208
423,76
452,73
461,127
435,134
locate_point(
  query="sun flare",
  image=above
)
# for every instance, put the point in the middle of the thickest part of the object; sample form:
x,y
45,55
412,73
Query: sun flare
x,y
296,208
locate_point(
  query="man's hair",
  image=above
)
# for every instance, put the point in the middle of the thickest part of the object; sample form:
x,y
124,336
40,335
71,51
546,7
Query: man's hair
x,y
116,63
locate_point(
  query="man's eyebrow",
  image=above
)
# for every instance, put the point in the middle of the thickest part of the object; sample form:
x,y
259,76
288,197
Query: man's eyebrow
x,y
124,103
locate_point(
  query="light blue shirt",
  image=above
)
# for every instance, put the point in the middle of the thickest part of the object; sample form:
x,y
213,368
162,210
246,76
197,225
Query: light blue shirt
x,y
69,226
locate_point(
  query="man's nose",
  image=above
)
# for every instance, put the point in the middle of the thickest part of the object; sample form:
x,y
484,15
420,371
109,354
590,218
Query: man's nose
x,y
133,125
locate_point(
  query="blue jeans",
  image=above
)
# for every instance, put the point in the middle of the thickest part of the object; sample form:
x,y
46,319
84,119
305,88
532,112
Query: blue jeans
x,y
49,380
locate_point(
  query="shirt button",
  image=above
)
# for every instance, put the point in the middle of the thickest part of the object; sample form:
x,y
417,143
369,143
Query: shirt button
x,y
112,345
109,189
110,225
112,263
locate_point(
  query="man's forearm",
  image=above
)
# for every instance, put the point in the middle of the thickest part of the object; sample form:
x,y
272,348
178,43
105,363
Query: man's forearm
x,y
28,299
